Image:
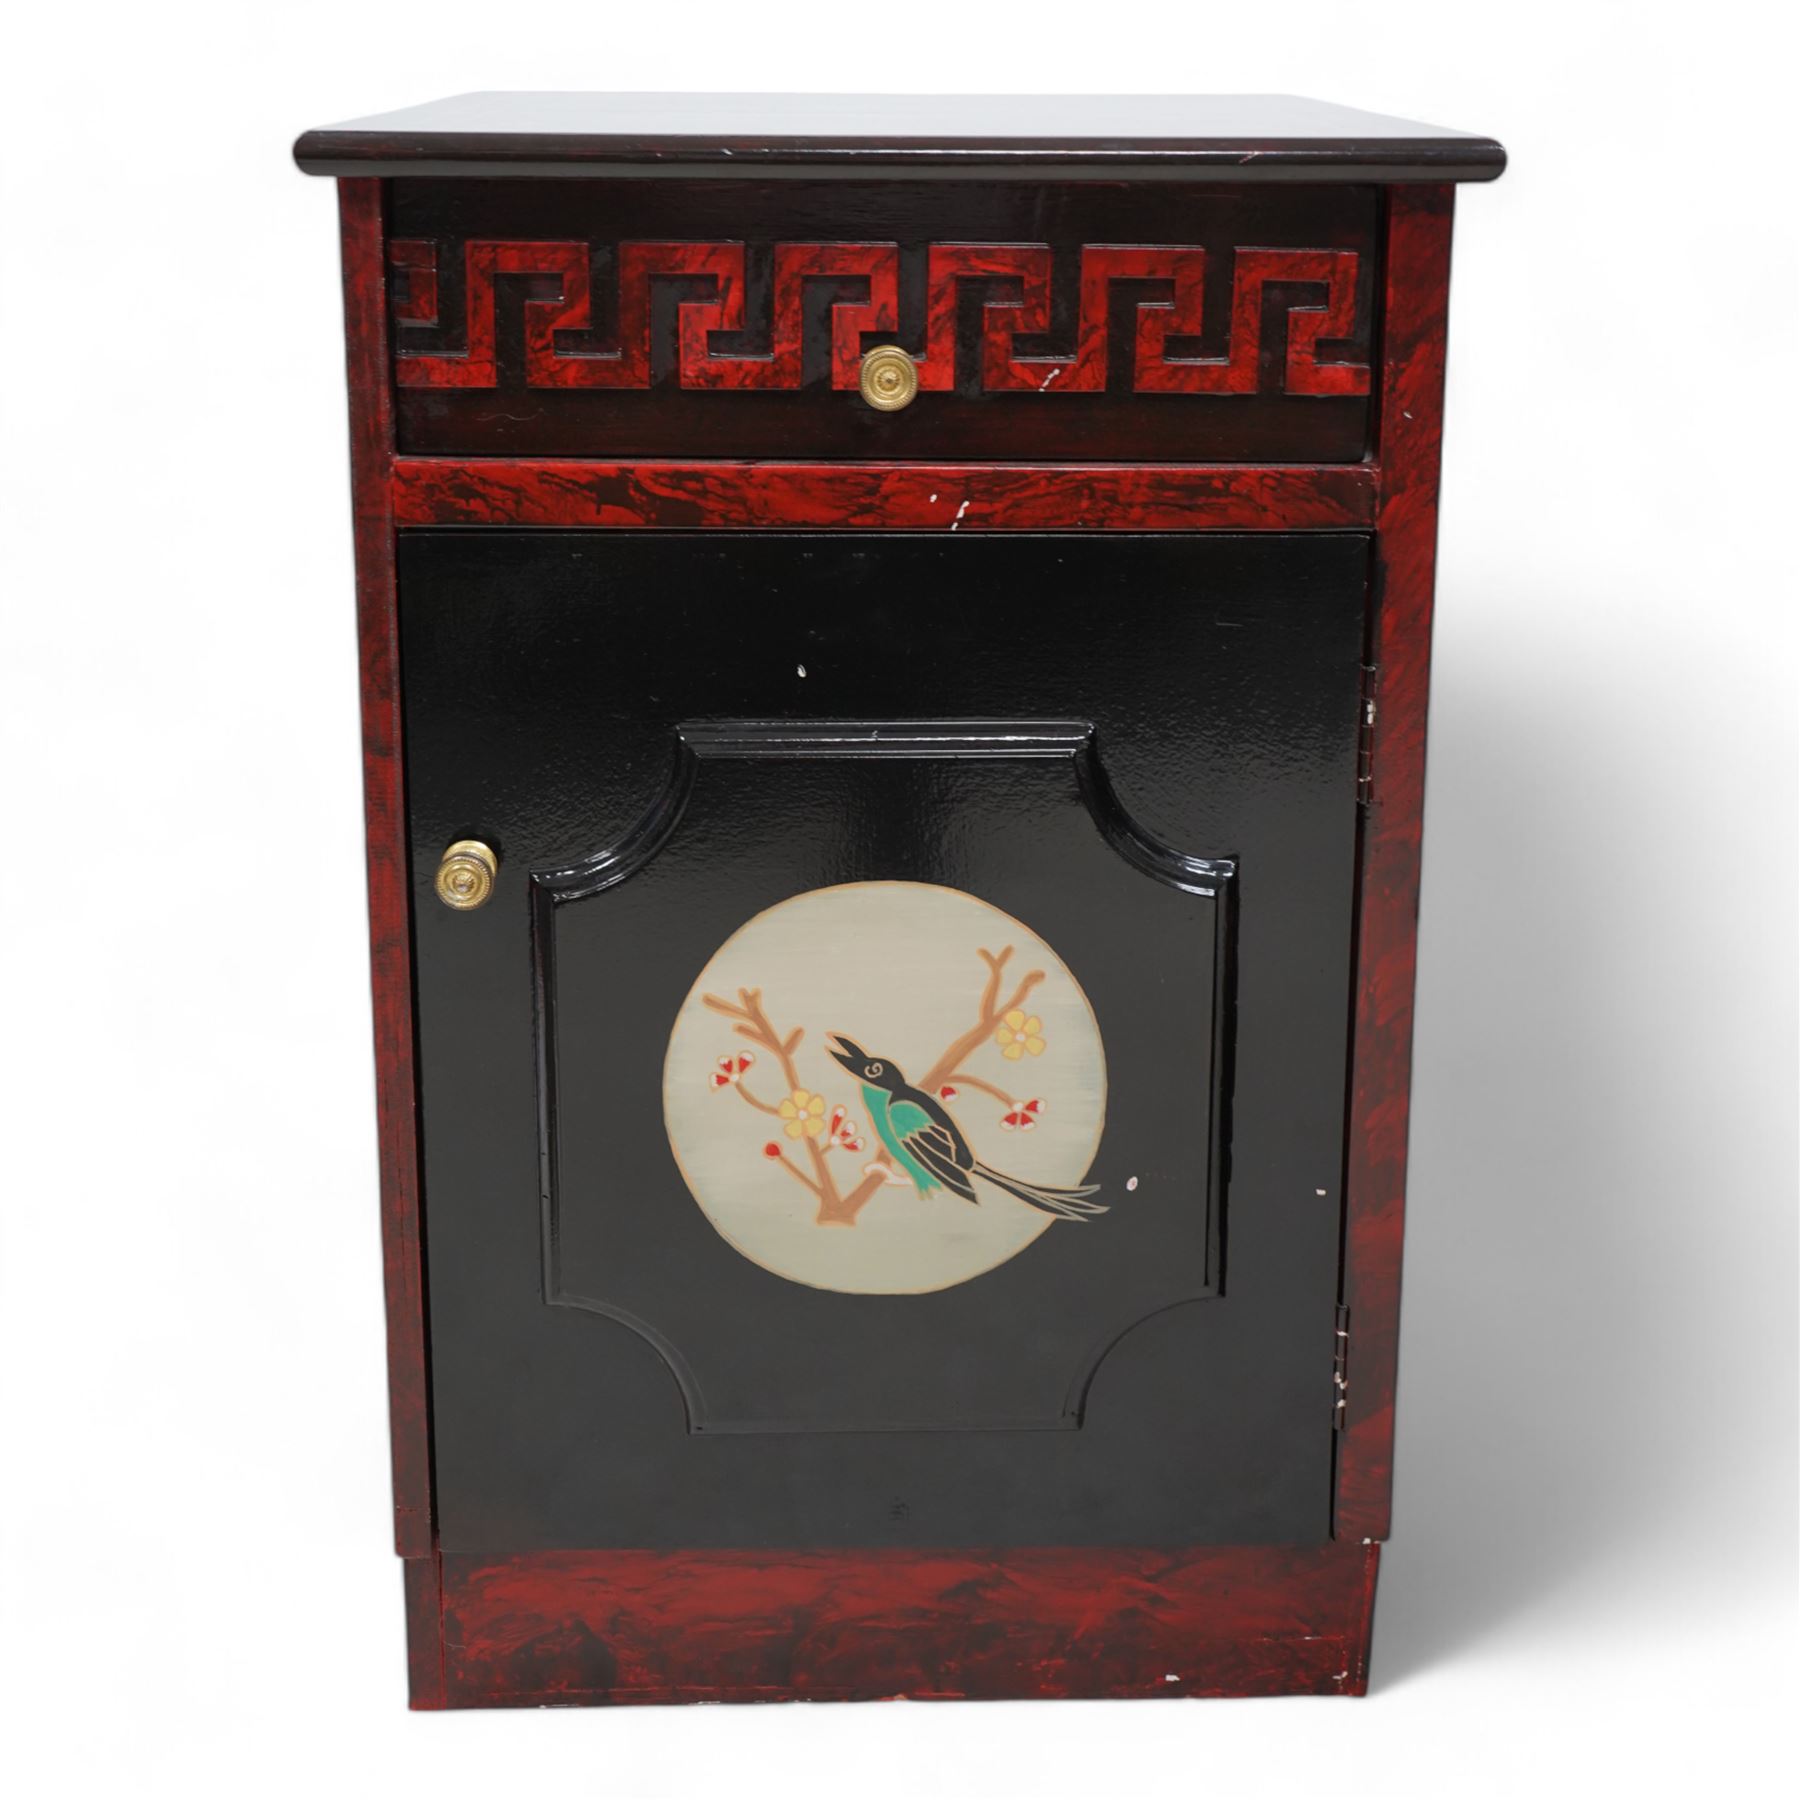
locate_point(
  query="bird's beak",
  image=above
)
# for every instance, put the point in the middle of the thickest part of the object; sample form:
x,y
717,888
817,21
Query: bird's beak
x,y
846,1051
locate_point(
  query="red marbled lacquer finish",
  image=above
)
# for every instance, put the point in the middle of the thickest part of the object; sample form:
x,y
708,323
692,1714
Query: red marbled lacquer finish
x,y
1333,270
1182,314
414,267
1023,308
590,1627
949,265
384,805
424,1577
548,366
1085,373
1239,371
1410,427
881,496
795,265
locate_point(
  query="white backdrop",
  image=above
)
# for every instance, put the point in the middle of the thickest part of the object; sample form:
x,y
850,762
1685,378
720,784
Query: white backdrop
x,y
1591,1583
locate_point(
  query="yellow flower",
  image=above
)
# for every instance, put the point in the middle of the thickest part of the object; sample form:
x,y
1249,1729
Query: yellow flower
x,y
1020,1036
804,1112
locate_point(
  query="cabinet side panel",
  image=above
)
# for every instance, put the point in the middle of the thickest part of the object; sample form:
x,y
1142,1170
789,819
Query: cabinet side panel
x,y
384,801
1410,401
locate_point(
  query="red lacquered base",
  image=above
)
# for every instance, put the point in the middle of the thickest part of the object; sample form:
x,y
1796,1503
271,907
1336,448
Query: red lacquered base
x,y
642,1627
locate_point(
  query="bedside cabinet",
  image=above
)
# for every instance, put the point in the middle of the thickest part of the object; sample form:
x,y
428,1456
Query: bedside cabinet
x,y
894,655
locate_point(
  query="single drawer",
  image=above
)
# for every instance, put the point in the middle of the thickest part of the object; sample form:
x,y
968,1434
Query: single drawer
x,y
1080,322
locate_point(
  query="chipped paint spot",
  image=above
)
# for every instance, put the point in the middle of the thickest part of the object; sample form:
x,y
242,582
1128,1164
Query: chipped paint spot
x,y
1131,1185
1171,1678
960,511
800,670
1048,379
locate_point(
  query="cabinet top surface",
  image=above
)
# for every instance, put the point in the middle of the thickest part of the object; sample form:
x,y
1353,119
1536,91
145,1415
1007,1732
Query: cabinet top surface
x,y
1236,137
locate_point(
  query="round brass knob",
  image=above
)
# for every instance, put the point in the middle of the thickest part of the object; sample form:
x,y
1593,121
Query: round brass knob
x,y
889,378
465,876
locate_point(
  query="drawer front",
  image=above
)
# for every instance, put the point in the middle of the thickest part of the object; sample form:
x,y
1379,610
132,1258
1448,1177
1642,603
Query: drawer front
x,y
1075,323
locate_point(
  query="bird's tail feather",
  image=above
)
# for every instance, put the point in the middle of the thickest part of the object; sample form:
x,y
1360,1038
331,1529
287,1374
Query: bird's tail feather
x,y
1065,1203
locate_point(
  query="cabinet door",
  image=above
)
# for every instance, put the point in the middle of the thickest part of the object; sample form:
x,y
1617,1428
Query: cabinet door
x,y
895,1092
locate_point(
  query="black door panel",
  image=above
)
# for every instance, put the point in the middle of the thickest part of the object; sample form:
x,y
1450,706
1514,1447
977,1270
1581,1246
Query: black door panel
x,y
1138,752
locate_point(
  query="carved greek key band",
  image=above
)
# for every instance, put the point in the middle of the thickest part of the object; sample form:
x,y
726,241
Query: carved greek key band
x,y
1016,303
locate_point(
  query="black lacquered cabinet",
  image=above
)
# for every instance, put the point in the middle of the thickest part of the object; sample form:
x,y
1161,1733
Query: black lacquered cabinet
x,y
895,717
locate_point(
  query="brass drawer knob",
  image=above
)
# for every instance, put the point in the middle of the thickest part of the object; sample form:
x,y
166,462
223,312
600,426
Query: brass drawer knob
x,y
465,876
889,378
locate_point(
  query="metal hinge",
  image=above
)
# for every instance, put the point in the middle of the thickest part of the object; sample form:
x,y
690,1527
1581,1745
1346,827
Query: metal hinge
x,y
1365,737
1340,1369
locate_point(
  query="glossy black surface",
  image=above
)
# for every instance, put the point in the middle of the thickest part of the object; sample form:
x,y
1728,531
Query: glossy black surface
x,y
667,420
1254,137
1006,811
571,693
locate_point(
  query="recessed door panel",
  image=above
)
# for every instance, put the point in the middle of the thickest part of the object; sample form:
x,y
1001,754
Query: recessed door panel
x,y
894,1092
970,1271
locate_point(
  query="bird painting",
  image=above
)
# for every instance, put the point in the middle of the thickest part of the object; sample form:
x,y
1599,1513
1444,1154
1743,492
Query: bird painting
x,y
927,1146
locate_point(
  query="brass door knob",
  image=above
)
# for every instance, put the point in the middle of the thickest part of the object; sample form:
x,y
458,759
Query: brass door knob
x,y
465,876
889,378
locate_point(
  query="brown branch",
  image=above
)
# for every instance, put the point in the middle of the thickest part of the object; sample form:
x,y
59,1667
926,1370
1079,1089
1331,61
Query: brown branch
x,y
800,1176
757,1031
844,1211
756,1027
995,964
986,1087
992,1012
828,1188
761,1106
754,1024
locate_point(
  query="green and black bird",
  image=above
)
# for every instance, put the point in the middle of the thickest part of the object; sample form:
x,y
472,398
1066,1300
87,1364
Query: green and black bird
x,y
923,1139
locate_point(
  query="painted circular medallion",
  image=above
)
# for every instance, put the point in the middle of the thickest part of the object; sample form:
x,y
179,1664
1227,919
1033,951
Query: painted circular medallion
x,y
886,1088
